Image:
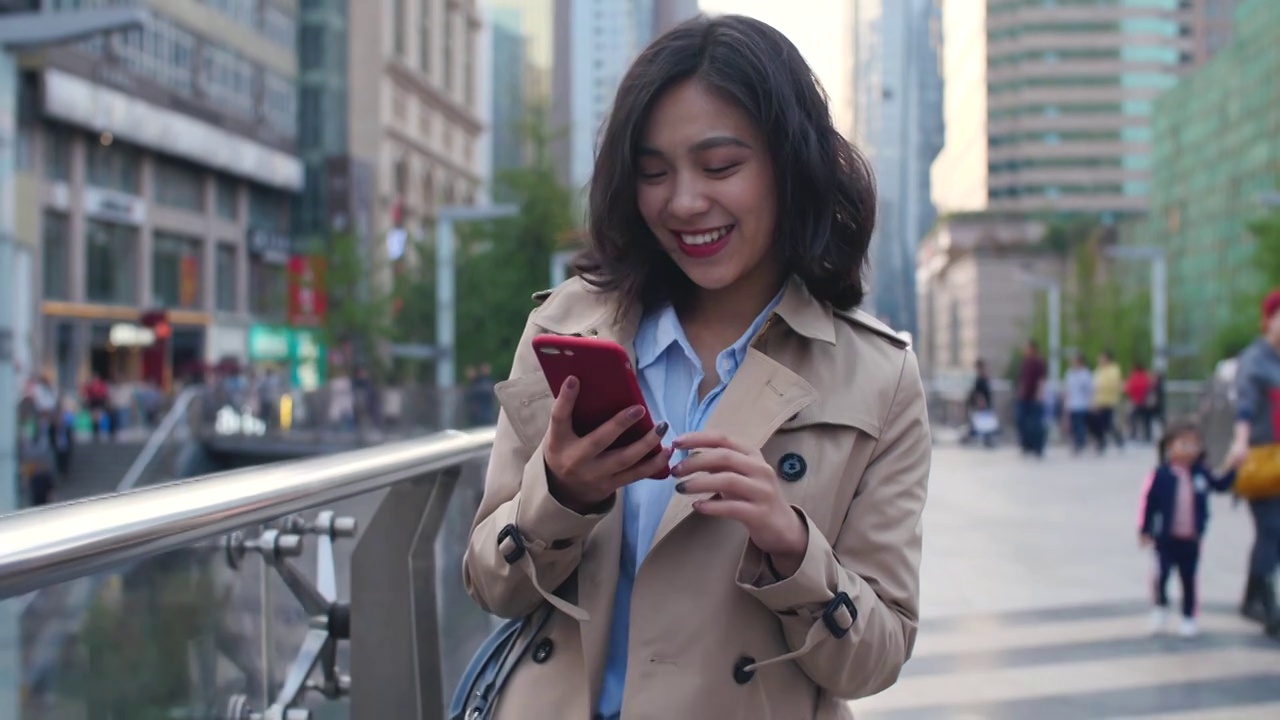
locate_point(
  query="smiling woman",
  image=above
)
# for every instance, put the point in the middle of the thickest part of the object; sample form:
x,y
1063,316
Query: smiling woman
x,y
773,570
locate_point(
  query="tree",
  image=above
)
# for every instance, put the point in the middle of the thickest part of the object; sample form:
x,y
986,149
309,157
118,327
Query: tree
x,y
1242,324
502,263
359,307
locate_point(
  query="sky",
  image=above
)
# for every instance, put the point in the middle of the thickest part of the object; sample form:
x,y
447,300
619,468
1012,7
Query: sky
x,y
817,27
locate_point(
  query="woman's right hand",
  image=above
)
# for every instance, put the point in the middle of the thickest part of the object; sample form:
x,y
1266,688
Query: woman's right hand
x,y
1236,455
583,472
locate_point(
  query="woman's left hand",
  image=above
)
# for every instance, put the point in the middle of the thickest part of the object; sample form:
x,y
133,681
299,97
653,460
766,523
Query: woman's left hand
x,y
743,487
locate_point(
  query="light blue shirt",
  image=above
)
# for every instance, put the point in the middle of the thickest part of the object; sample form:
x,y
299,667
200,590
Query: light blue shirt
x,y
670,373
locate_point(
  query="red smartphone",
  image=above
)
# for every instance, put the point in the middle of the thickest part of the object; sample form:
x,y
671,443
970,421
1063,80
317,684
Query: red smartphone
x,y
607,383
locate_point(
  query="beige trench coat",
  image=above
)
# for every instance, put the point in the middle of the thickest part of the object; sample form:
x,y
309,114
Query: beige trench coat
x,y
711,635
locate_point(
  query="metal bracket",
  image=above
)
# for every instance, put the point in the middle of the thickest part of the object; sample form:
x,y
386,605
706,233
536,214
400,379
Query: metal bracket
x,y
330,620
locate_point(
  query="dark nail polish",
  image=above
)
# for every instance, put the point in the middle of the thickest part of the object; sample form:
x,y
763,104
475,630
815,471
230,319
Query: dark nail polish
x,y
661,429
681,487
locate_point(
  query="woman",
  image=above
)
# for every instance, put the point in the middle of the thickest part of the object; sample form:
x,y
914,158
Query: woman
x,y
1258,424
776,573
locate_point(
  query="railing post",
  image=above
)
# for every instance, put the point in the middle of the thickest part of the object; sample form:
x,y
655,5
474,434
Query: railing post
x,y
395,623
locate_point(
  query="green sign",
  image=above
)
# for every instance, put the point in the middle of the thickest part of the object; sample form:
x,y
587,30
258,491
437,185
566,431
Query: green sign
x,y
299,349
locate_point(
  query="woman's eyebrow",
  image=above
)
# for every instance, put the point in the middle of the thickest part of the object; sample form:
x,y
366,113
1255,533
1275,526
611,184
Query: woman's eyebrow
x,y
711,143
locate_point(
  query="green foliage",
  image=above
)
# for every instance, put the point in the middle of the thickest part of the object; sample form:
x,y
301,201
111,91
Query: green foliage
x,y
499,265
359,305
1242,324
502,263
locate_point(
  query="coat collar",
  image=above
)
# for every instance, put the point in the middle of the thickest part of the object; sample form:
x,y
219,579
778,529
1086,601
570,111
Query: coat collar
x,y
578,313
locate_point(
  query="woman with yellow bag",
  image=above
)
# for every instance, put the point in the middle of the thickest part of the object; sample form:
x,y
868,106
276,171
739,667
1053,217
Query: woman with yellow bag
x,y
1255,450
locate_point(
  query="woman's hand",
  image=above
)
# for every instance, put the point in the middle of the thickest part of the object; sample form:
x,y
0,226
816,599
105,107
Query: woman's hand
x,y
1237,454
743,487
582,472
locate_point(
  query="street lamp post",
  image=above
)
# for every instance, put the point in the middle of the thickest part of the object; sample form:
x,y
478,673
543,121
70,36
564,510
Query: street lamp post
x,y
25,31
446,296
1159,297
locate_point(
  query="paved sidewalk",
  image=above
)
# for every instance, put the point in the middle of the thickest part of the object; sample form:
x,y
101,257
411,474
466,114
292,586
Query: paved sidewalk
x,y
1035,601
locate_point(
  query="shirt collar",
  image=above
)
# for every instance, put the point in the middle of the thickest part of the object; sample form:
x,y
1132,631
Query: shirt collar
x,y
660,329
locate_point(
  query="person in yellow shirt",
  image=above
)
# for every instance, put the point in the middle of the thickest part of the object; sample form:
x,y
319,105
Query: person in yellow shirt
x,y
1108,386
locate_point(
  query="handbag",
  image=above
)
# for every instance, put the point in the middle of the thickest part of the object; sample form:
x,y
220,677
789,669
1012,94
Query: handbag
x,y
476,695
1259,476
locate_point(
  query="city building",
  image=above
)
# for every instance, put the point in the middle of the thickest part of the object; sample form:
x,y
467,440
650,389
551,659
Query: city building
x,y
959,174
522,37
897,122
1071,89
595,42
1216,167
156,173
976,293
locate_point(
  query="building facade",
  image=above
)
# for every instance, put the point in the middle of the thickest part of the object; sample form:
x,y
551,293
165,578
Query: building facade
x,y
521,72
156,173
595,42
897,122
1216,167
958,177
1071,90
975,299
416,121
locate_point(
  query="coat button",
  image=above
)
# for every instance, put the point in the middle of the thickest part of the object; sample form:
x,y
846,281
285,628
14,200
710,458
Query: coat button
x,y
542,652
741,674
792,467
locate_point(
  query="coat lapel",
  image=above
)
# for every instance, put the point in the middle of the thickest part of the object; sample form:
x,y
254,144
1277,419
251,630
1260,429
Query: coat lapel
x,y
761,397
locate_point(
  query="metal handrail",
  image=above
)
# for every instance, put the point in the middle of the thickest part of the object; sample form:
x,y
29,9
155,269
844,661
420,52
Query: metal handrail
x,y
47,545
157,439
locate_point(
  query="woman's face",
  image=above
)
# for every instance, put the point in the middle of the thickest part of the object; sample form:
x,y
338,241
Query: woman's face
x,y
706,189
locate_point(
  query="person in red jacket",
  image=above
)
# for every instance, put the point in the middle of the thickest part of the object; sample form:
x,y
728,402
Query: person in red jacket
x,y
1139,387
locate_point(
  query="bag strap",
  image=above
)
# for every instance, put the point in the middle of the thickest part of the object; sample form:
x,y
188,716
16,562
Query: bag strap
x,y
487,695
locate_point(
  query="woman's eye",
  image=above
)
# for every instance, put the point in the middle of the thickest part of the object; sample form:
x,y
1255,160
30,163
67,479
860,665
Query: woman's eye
x,y
655,175
722,169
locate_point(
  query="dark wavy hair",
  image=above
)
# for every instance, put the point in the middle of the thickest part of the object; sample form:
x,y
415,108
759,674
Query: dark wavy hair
x,y
826,205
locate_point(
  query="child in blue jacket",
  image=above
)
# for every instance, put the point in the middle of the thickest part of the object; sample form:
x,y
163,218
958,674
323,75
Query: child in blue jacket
x,y
1175,511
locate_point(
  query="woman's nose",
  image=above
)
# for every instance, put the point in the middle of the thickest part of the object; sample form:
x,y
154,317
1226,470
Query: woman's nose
x,y
688,198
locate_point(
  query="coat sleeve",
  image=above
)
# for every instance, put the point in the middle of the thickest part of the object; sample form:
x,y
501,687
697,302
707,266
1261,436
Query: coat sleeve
x,y
524,544
850,612
1147,508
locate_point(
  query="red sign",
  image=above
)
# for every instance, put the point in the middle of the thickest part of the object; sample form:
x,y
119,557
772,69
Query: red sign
x,y
307,298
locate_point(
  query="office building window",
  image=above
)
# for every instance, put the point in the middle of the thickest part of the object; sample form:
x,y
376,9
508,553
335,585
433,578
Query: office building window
x,y
244,12
398,28
424,37
111,259
448,47
227,80
280,104
175,271
279,27
267,288
225,198
225,278
178,185
268,209
57,152
113,165
162,52
469,67
56,260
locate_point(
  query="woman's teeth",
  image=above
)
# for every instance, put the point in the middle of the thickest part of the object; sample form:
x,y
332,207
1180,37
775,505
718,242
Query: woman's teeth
x,y
704,238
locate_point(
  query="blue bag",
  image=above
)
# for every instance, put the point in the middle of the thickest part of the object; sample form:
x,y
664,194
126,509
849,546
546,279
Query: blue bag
x,y
477,693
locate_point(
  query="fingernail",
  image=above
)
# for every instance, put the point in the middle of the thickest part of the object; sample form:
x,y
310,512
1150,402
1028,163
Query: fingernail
x,y
661,429
678,468
571,383
680,487
636,412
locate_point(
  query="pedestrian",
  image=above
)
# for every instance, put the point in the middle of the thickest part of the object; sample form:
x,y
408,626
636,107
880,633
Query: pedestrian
x,y
1175,512
776,572
1078,399
1257,430
1108,386
1032,373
